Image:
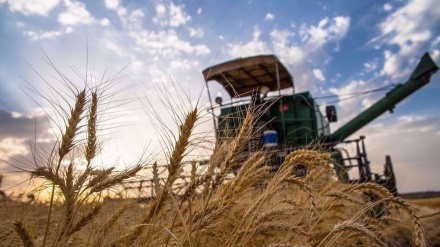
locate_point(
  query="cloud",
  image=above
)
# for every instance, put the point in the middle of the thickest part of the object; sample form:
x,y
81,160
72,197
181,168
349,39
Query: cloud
x,y
269,17
172,15
370,66
348,107
199,11
292,54
17,130
326,31
299,51
410,123
196,32
408,28
112,4
177,15
35,7
42,34
113,46
105,22
165,42
412,142
254,47
160,17
436,54
318,74
387,7
76,13
116,6
16,125
183,64
10,146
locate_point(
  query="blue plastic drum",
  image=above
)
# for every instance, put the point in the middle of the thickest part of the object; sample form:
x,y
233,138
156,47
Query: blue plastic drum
x,y
270,138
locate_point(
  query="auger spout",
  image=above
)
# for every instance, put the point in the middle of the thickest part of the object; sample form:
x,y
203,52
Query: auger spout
x,y
420,77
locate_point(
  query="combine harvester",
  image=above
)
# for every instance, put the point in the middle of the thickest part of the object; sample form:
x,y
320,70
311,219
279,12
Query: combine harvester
x,y
293,120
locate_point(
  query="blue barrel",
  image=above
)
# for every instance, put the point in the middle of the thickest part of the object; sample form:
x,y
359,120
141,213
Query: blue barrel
x,y
270,138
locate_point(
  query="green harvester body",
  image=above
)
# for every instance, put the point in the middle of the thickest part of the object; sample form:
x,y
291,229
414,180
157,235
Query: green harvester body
x,y
296,117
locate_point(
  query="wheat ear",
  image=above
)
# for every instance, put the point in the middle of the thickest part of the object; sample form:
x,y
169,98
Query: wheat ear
x,y
309,158
310,197
67,143
24,234
174,167
419,236
91,129
269,229
67,139
156,179
352,227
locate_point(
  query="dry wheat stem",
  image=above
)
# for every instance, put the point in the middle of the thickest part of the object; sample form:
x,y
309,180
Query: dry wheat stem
x,y
156,179
103,229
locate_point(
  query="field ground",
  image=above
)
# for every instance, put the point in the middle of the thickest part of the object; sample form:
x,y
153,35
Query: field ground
x,y
433,203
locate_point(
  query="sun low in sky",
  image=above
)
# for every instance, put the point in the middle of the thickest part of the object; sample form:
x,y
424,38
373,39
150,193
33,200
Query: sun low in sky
x,y
330,47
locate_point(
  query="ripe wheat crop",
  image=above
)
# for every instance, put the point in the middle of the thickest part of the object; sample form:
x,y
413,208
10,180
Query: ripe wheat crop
x,y
256,206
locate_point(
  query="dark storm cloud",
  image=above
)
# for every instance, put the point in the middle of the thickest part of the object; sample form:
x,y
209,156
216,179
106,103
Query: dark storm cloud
x,y
15,152
22,126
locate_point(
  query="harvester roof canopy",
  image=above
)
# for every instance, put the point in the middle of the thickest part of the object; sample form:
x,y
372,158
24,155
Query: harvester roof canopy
x,y
242,76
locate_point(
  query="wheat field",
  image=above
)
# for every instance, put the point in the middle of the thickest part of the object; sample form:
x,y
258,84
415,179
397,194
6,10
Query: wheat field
x,y
254,207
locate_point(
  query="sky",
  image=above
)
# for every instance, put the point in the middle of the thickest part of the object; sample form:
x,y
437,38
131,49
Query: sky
x,y
330,48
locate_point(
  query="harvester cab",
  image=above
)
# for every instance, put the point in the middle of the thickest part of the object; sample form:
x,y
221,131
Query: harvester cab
x,y
289,120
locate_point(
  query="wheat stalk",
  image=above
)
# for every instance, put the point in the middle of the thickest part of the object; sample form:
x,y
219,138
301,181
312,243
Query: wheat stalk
x,y
103,229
